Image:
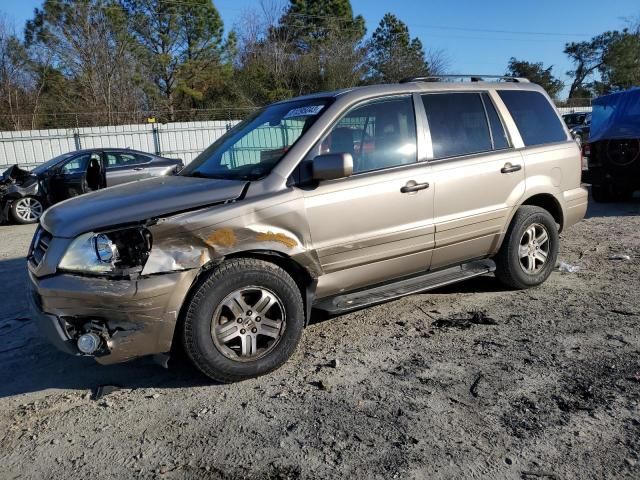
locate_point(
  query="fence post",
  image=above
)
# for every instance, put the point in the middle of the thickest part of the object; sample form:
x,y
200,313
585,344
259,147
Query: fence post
x,y
156,139
76,139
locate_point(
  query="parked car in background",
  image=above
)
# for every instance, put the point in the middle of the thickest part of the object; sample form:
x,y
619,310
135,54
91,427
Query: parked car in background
x,y
581,131
574,119
25,195
334,201
614,146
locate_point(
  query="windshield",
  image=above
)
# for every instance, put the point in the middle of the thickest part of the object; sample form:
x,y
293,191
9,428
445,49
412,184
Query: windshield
x,y
252,148
50,163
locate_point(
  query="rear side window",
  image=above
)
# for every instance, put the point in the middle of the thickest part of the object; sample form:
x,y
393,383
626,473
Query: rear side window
x,y
534,116
498,133
458,124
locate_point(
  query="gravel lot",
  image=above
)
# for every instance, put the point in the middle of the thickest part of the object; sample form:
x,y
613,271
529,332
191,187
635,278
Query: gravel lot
x,y
543,383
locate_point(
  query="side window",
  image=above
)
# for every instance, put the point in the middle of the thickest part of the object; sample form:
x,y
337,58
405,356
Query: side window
x,y
534,116
132,159
498,133
380,134
458,124
76,165
113,160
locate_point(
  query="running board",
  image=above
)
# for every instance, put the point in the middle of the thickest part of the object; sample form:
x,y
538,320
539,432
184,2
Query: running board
x,y
405,286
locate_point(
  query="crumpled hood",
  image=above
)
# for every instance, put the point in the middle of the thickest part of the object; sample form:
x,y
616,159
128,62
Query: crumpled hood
x,y
136,201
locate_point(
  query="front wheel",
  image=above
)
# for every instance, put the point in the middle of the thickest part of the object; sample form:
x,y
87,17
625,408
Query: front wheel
x,y
529,250
244,320
26,210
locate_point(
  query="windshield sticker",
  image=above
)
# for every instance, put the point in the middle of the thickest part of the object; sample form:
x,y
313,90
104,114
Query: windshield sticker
x,y
304,111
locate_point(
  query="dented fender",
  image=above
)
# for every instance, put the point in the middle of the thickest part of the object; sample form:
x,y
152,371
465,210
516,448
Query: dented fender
x,y
195,240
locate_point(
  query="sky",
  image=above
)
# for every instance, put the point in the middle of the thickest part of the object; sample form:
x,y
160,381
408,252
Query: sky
x,y
477,36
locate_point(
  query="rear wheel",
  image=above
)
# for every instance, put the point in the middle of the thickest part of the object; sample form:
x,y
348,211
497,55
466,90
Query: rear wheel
x,y
244,320
26,210
529,250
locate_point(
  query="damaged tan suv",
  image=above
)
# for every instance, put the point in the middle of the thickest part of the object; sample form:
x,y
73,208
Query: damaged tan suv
x,y
333,201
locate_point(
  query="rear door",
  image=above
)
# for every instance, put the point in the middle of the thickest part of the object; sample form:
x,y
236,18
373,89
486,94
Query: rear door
x,y
477,176
123,167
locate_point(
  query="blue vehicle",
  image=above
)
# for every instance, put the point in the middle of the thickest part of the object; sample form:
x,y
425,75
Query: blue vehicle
x,y
614,144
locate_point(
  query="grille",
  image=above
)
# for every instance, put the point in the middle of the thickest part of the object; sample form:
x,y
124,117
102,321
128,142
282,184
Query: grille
x,y
40,246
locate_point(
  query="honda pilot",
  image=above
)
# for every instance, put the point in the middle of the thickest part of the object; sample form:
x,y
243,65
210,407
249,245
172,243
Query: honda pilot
x,y
332,201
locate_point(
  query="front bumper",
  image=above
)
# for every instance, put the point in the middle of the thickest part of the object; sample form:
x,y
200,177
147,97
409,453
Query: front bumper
x,y
139,315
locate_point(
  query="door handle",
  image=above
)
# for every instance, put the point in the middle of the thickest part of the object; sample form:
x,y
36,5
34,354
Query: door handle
x,y
412,186
137,169
508,168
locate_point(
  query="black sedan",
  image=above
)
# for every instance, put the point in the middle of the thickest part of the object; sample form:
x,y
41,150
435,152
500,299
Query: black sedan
x,y
24,195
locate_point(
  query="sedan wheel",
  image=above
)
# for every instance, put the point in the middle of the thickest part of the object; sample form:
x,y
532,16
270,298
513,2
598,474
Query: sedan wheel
x,y
27,210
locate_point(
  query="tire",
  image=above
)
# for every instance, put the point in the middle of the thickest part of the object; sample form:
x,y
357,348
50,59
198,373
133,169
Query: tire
x,y
26,210
520,272
227,354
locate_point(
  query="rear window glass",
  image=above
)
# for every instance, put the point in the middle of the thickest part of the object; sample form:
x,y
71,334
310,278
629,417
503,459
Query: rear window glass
x,y
535,118
458,124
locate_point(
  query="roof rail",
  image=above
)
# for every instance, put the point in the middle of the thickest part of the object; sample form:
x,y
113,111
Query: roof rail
x,y
472,78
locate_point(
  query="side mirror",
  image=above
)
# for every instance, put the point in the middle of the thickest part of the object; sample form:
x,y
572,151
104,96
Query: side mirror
x,y
332,166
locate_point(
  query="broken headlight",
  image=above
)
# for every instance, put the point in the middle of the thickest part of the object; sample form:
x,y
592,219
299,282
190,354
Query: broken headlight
x,y
114,252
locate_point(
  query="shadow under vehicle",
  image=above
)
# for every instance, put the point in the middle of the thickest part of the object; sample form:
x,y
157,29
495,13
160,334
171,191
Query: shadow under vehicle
x,y
24,195
614,146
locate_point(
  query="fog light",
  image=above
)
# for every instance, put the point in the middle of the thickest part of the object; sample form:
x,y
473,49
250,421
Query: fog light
x,y
88,343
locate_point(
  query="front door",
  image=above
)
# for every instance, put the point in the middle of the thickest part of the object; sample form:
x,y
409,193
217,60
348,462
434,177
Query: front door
x,y
477,176
69,180
377,224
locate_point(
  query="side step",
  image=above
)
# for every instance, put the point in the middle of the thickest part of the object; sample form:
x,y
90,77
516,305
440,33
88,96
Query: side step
x,y
405,286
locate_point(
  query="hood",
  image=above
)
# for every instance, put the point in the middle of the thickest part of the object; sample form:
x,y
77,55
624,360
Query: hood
x,y
14,174
136,202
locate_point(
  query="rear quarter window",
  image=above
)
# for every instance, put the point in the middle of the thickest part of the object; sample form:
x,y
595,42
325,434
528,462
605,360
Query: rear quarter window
x,y
534,116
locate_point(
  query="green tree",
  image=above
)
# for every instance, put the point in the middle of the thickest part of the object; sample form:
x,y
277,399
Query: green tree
x,y
536,73
620,67
181,45
587,57
325,40
88,42
394,55
313,22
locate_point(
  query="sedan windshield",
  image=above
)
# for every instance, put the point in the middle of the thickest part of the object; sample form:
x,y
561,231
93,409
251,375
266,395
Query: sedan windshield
x,y
252,148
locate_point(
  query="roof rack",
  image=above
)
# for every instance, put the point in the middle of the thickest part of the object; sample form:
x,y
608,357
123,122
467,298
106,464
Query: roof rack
x,y
472,78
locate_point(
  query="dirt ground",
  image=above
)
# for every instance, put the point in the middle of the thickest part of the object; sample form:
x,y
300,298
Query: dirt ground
x,y
471,381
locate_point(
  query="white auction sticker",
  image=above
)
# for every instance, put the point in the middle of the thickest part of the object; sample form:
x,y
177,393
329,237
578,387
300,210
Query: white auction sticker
x,y
304,111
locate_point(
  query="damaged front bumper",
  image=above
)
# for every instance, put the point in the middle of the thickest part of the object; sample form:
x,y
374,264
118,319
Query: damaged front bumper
x,y
133,317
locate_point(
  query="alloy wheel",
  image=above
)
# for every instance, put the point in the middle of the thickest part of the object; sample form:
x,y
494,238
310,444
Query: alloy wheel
x,y
248,323
28,209
534,248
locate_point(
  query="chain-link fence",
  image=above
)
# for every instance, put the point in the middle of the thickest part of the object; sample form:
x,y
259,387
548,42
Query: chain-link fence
x,y
75,120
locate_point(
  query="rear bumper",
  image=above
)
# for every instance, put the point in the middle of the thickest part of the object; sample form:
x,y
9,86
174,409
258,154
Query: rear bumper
x,y
575,201
139,315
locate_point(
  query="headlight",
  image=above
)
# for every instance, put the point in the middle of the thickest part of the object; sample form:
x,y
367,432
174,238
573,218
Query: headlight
x,y
115,252
106,250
